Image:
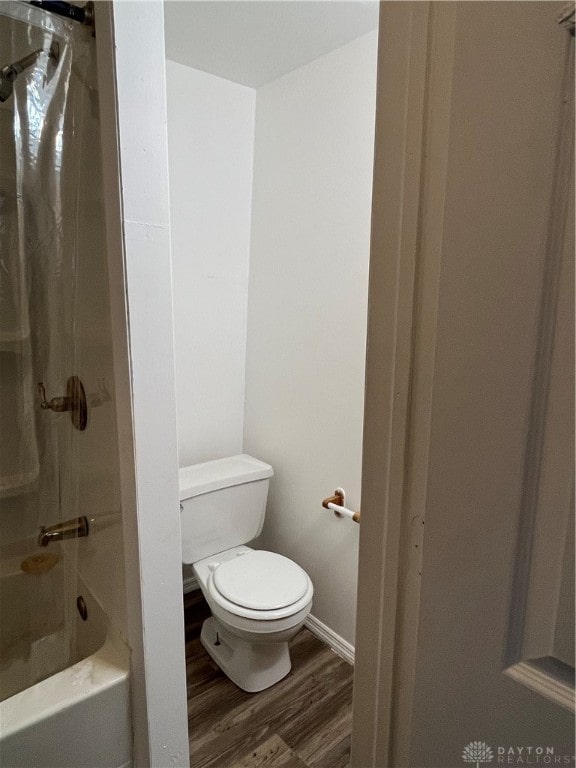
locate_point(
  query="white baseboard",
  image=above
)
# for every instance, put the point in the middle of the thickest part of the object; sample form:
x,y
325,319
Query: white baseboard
x,y
342,647
190,583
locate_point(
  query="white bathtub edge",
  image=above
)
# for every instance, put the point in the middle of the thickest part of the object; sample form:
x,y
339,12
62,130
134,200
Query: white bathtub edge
x,y
107,667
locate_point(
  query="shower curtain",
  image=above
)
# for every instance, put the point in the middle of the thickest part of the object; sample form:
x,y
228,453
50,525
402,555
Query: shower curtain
x,y
36,271
41,145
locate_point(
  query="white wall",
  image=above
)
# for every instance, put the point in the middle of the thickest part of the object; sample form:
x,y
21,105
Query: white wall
x,y
210,143
136,194
307,311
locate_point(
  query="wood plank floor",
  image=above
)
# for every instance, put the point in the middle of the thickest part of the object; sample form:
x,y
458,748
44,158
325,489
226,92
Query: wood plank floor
x,y
304,721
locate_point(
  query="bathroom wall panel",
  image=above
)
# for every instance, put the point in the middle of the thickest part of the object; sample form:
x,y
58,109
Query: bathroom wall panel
x,y
210,141
307,311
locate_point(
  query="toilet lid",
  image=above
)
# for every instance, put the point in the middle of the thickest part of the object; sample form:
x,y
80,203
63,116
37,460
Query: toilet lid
x,y
260,580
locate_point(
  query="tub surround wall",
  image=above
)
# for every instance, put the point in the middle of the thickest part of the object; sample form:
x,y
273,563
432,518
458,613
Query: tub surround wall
x,y
307,312
210,141
88,461
65,682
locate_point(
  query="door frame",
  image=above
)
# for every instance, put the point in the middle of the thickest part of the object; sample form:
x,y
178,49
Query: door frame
x,y
415,72
415,68
130,65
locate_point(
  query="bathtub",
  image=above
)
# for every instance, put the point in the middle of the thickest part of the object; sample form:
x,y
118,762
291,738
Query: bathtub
x,y
78,717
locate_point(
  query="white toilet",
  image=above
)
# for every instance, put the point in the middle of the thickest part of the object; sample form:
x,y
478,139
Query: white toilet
x,y
259,600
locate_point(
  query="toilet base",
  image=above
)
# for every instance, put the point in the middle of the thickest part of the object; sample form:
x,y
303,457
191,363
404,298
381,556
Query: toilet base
x,y
251,666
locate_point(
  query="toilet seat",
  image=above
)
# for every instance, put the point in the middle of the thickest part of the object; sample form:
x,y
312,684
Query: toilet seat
x,y
260,585
263,581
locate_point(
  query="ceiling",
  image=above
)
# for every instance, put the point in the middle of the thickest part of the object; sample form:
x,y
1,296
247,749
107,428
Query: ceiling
x,y
256,41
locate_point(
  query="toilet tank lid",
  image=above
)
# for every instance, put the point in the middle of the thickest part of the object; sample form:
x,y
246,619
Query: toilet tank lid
x,y
221,473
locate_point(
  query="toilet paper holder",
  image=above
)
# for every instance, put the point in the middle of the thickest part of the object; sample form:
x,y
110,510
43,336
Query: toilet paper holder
x,y
337,504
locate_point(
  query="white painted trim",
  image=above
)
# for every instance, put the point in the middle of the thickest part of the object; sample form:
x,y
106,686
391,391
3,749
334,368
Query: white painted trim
x,y
529,674
439,74
138,240
341,647
412,131
547,504
400,112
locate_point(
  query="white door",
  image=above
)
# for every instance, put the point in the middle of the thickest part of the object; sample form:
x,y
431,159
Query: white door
x,y
480,670
495,654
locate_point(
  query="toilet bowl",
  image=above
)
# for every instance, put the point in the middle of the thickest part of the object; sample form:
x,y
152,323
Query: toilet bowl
x,y
259,600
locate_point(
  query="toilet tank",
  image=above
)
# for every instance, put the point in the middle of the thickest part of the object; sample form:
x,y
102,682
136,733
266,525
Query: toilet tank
x,y
222,504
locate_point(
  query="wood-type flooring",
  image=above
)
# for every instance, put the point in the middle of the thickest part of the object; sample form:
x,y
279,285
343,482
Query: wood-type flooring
x,y
304,721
